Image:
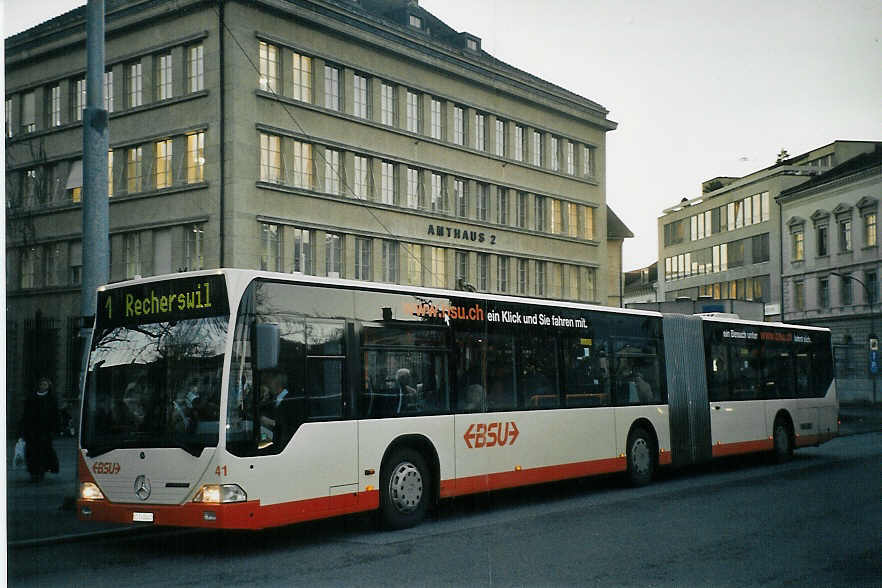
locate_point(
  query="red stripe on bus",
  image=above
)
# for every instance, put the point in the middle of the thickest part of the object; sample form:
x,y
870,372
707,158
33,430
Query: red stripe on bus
x,y
724,449
525,477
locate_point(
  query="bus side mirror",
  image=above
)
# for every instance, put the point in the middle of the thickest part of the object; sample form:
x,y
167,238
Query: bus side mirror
x,y
267,350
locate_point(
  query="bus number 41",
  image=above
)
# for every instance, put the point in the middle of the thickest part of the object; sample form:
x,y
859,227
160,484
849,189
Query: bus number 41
x,y
490,435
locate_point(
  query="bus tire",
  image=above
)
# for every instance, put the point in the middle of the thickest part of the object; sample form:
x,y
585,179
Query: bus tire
x,y
783,441
405,489
640,457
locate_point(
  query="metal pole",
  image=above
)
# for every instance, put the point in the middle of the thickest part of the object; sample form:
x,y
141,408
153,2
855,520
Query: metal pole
x,y
95,206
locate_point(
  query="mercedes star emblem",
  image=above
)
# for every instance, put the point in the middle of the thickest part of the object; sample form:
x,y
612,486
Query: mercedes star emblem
x,y
142,487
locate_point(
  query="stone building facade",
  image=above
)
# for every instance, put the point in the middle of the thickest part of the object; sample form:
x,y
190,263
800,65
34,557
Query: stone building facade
x,y
362,139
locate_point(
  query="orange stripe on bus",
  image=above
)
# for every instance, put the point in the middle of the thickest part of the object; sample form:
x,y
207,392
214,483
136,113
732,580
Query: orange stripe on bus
x,y
525,477
724,449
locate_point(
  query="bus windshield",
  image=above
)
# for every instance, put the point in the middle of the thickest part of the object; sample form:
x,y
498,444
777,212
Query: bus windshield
x,y
155,383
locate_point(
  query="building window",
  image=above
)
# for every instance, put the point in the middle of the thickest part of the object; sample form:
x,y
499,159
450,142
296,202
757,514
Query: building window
x,y
540,213
360,96
268,68
460,196
458,125
361,188
195,254
270,247
822,240
500,138
53,268
482,203
28,113
302,255
797,250
415,21
363,259
8,118
196,157
571,159
519,143
572,219
387,104
110,173
332,172
78,100
540,278
133,85
413,187
590,283
55,105
870,229
436,119
333,255
556,217
502,206
483,271
132,252
108,91
480,132
523,276
134,158
414,264
845,291
555,154
502,273
439,200
413,112
162,153
302,165
195,69
332,88
164,77
587,161
390,261
823,293
522,210
537,148
760,248
573,288
871,281
30,261
270,158
301,75
437,267
845,236
461,268
387,191
587,222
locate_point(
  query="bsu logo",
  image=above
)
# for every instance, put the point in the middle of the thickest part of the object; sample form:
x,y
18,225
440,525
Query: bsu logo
x,y
490,434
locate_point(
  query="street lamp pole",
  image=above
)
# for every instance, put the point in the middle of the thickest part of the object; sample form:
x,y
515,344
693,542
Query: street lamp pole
x,y
872,335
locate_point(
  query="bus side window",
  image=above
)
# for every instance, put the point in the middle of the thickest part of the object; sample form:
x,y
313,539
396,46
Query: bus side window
x,y
718,373
500,373
469,349
537,372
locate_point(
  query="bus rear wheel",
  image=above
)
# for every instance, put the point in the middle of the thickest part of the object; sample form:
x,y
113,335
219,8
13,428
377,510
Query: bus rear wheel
x,y
640,457
783,442
405,489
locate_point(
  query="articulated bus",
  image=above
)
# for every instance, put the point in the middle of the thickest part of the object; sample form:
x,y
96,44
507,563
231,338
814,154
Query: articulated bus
x,y
239,399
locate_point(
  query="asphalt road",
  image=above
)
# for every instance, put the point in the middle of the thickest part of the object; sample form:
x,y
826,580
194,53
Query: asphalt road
x,y
741,522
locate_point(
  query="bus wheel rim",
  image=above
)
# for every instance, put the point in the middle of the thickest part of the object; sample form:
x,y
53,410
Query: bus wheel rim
x,y
640,456
406,487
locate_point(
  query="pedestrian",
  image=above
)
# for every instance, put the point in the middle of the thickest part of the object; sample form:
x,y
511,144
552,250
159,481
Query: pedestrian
x,y
38,426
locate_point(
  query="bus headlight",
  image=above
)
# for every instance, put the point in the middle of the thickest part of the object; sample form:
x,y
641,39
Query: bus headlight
x,y
220,494
90,491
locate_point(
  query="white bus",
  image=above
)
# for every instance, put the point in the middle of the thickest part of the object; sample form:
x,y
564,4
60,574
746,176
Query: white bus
x,y
243,400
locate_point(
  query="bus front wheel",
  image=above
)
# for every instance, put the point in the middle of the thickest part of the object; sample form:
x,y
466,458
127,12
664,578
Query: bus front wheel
x,y
640,457
405,490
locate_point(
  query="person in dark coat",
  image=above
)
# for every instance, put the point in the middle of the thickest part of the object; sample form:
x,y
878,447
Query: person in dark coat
x,y
39,425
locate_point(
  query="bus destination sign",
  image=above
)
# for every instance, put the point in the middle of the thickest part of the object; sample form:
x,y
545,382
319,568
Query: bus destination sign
x,y
153,302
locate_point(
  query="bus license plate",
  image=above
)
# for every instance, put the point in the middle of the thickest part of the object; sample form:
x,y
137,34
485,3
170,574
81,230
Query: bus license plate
x,y
142,517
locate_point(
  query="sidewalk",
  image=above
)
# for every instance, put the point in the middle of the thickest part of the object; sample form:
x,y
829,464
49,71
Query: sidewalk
x,y
35,513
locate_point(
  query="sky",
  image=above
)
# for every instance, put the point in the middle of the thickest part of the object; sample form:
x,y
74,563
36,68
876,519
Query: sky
x,y
698,89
